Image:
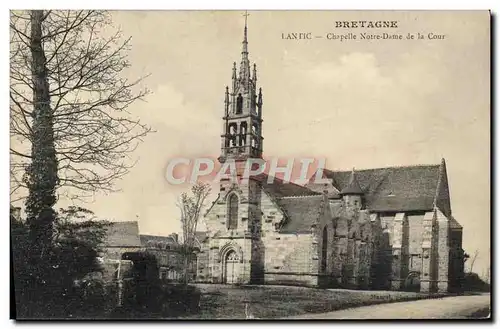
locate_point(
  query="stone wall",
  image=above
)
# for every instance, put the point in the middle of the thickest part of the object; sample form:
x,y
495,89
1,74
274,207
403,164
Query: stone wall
x,y
443,251
290,258
456,264
221,240
266,255
418,250
415,236
202,263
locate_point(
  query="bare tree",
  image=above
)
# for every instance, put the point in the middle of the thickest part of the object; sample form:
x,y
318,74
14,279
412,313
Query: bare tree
x,y
190,207
473,260
41,178
85,65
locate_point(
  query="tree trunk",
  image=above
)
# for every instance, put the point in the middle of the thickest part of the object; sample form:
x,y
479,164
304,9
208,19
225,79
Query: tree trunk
x,y
42,172
186,267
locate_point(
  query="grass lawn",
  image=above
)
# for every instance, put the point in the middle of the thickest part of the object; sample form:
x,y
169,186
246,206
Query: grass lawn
x,y
267,302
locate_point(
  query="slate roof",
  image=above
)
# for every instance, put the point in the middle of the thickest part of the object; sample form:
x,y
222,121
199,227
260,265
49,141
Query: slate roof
x,y
301,212
123,234
353,187
411,188
147,239
278,188
454,224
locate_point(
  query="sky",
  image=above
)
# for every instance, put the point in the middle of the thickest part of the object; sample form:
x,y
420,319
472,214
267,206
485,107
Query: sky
x,y
363,103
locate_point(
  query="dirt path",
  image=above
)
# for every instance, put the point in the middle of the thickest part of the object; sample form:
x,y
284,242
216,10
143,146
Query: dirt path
x,y
460,307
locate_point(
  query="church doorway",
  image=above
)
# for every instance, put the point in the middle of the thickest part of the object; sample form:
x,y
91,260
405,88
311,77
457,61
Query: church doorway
x,y
412,282
232,268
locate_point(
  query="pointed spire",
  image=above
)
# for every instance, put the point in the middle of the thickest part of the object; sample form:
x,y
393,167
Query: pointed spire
x,y
245,64
353,186
254,75
245,39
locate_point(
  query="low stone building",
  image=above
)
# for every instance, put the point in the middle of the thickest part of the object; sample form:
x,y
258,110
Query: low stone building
x,y
124,237
166,249
121,237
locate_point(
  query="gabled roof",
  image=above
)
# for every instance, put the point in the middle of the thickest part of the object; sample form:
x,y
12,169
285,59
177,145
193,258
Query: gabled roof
x,y
411,188
122,234
454,224
301,212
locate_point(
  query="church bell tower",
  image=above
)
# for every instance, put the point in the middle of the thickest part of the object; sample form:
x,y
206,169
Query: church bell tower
x,y
239,201
241,137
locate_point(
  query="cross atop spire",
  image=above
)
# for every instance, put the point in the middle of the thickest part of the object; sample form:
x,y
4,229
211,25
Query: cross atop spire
x,y
245,64
246,14
245,40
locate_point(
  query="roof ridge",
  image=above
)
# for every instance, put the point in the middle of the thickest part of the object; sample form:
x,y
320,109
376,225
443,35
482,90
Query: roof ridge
x,y
122,221
389,167
301,196
285,182
439,182
159,236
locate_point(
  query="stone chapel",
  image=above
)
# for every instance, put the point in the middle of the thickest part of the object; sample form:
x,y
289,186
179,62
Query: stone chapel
x,y
384,228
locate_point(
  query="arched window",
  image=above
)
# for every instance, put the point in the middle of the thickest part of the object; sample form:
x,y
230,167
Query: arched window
x,y
231,141
239,104
254,129
243,128
232,221
254,142
243,133
324,249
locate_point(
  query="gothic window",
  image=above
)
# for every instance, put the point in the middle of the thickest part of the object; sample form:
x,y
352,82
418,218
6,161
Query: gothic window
x,y
232,222
232,135
254,142
232,129
324,249
243,132
239,104
232,257
243,128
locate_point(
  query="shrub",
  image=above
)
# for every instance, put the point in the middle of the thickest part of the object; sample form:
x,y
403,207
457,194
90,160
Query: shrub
x,y
178,299
472,282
